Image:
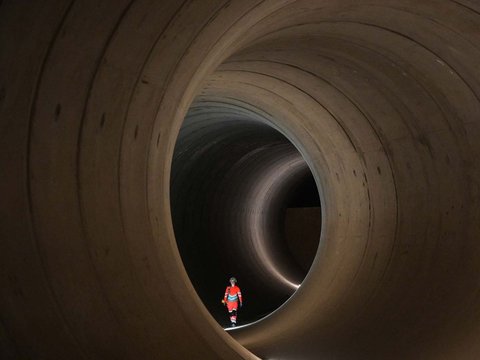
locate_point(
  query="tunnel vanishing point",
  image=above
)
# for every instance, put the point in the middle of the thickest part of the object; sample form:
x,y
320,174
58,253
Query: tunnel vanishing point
x,y
378,100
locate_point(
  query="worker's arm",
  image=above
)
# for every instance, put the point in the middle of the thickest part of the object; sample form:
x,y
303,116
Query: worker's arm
x,y
240,297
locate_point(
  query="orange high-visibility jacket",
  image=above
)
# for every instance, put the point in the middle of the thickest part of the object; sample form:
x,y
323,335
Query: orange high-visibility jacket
x,y
232,294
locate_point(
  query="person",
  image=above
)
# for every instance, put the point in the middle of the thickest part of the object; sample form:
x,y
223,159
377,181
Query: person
x,y
232,297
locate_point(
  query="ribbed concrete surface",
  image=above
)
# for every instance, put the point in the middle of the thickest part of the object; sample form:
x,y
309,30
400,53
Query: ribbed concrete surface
x,y
233,179
381,97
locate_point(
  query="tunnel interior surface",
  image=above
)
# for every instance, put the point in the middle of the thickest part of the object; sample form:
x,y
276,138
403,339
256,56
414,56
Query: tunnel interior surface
x,y
240,195
145,143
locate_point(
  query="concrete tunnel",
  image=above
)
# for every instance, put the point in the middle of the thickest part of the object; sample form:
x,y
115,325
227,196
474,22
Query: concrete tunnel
x,y
145,144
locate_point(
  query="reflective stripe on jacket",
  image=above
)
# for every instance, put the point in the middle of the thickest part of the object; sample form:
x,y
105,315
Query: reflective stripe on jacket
x,y
233,293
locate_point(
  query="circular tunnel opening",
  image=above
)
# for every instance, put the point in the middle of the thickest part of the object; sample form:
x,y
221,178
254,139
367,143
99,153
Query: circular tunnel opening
x,y
244,203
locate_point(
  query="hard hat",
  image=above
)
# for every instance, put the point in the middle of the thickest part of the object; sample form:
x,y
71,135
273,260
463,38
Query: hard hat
x,y
233,279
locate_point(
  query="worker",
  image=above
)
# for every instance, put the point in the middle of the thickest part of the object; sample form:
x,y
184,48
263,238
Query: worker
x,y
231,300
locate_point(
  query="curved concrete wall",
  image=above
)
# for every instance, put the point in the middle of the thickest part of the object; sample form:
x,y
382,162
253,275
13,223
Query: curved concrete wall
x,y
233,177
381,97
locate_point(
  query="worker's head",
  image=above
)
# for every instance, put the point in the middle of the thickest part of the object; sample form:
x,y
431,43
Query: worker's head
x,y
233,281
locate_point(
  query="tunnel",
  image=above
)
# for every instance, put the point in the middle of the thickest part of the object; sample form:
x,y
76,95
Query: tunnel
x,y
243,197
329,146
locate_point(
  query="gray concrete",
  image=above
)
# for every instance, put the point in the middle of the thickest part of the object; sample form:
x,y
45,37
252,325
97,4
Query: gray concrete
x,y
381,97
232,178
